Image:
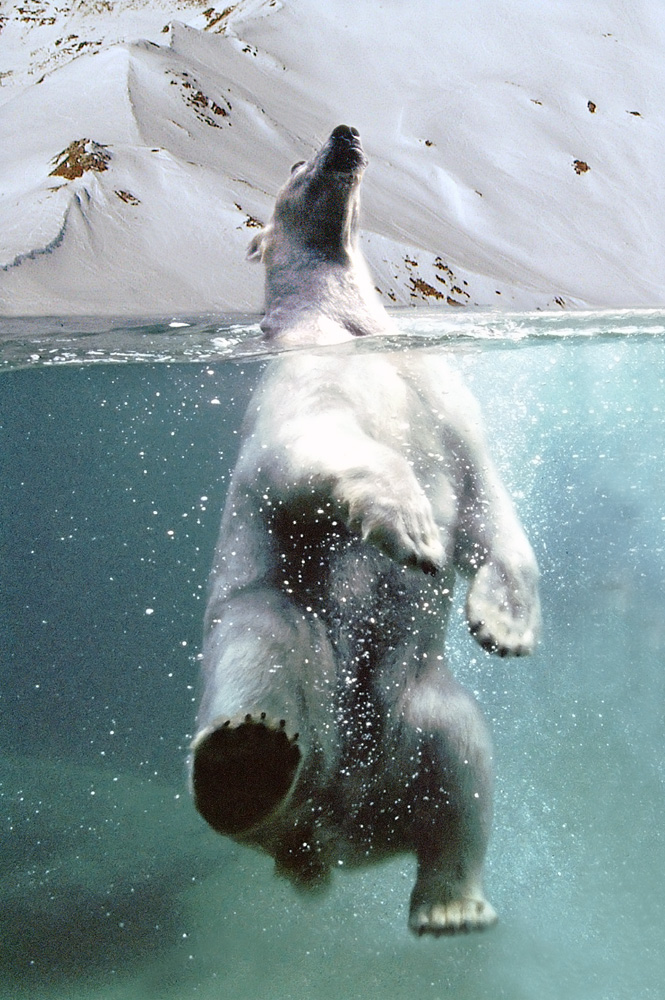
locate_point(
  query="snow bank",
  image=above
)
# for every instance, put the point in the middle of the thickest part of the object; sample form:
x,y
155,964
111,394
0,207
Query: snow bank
x,y
515,149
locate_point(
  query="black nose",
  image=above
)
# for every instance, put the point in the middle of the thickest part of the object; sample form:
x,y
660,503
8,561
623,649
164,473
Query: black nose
x,y
345,132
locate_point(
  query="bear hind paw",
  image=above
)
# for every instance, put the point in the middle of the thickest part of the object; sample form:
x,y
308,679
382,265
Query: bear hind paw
x,y
242,772
453,917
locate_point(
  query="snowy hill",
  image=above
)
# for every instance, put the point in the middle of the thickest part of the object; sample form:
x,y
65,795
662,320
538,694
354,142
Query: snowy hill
x,y
515,149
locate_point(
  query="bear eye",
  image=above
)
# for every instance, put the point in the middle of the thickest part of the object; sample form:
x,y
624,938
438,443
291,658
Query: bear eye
x,y
298,164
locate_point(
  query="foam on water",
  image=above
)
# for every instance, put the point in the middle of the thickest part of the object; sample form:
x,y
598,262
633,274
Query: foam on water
x,y
26,342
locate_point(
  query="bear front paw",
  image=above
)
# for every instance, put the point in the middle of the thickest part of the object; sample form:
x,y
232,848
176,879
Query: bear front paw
x,y
503,609
402,528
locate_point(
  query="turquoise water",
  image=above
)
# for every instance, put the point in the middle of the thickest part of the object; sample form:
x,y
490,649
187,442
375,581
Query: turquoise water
x,y
116,444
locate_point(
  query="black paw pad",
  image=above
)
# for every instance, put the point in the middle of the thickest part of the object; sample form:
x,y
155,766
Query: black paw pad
x,y
241,773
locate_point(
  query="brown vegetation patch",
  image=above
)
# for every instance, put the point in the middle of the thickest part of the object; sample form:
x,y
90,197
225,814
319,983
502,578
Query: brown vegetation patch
x,y
198,99
442,266
215,18
250,221
203,106
81,156
418,286
128,198
34,13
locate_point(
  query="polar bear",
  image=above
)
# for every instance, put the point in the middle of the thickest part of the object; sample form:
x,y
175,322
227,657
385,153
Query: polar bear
x,y
330,730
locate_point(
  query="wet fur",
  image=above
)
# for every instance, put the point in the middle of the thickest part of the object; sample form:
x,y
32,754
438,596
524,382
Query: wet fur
x,y
362,487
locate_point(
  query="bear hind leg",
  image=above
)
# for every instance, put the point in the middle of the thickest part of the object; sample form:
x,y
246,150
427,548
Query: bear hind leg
x,y
445,732
264,715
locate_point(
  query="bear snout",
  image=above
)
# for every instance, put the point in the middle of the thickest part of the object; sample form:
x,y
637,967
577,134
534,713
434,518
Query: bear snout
x,y
344,151
345,132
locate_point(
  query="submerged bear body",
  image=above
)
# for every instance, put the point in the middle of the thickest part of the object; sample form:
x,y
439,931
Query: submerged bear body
x,y
330,729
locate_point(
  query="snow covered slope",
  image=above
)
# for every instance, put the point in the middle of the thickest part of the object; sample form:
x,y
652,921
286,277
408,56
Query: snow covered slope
x,y
515,149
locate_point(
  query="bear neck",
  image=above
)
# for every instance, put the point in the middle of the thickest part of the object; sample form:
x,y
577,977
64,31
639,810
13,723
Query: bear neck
x,y
323,301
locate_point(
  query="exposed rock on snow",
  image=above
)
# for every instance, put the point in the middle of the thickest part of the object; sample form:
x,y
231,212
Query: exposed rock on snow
x,y
81,155
515,154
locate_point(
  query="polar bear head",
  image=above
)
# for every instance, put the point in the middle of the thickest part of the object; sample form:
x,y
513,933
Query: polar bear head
x,y
318,287
316,212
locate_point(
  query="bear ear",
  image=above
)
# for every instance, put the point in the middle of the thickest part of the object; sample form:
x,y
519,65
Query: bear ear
x,y
257,247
